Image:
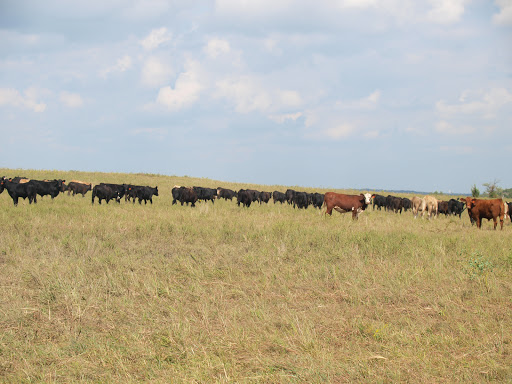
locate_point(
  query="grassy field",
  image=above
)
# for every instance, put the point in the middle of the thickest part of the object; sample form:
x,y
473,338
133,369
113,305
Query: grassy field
x,y
269,294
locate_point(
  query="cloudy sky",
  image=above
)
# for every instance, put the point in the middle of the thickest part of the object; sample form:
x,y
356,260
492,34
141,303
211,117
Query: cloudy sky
x,y
391,94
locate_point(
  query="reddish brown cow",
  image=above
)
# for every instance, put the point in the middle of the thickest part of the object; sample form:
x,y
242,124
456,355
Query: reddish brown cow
x,y
485,209
347,203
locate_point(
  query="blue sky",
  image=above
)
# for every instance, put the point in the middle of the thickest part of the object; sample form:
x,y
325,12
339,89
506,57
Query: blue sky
x,y
391,94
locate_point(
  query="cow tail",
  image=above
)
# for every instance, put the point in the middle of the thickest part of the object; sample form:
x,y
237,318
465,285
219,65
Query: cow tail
x,y
93,195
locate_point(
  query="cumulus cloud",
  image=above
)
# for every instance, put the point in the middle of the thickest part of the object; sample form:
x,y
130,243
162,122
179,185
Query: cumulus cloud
x,y
487,104
71,100
186,90
446,11
216,47
250,93
123,64
156,38
155,72
281,118
12,97
504,16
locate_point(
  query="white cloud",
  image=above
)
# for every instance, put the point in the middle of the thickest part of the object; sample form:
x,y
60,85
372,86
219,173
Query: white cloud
x,y
186,90
504,16
249,93
216,47
123,64
444,127
155,72
12,97
368,102
446,11
156,38
71,100
339,132
281,118
246,93
487,105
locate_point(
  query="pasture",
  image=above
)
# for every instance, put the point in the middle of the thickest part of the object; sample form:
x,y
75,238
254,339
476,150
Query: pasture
x,y
221,293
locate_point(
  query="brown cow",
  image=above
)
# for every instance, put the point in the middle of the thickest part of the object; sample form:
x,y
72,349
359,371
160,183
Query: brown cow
x,y
347,203
485,209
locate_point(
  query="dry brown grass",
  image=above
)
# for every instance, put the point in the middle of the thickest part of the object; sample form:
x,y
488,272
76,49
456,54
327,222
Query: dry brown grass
x,y
161,293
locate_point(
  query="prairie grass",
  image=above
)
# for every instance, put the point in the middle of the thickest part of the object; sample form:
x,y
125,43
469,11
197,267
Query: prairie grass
x,y
220,293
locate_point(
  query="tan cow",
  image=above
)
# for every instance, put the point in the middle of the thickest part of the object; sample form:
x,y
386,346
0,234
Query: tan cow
x,y
431,205
418,205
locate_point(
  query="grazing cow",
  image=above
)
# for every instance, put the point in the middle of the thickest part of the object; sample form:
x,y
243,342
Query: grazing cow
x,y
300,199
105,192
289,195
223,193
317,200
17,190
346,203
406,204
485,209
264,197
379,201
77,187
206,194
418,205
443,207
146,193
279,197
184,195
52,188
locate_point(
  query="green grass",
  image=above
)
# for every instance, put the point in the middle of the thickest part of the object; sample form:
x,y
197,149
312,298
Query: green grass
x,y
162,293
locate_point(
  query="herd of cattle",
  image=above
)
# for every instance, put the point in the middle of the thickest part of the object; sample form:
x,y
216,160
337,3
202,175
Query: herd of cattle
x,y
478,209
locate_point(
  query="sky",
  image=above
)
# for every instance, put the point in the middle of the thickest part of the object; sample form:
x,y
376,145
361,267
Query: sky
x,y
363,94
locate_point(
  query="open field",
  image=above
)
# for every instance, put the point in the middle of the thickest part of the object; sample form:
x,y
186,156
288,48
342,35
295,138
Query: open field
x,y
220,293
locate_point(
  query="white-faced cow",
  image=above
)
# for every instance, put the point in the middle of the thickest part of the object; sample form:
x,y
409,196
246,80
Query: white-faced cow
x,y
346,203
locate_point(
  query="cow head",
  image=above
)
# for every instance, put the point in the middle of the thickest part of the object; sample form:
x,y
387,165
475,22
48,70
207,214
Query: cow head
x,y
469,201
156,191
367,197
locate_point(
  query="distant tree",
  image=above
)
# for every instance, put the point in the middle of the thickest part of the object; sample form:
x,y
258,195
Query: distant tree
x,y
507,193
475,192
492,189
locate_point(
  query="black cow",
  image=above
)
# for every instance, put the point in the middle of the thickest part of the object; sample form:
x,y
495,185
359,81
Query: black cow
x,y
105,192
78,188
247,196
443,207
406,204
456,207
317,200
289,195
52,188
264,197
223,193
184,195
509,210
300,199
279,197
146,193
379,201
17,190
206,194
119,188
17,179
395,204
